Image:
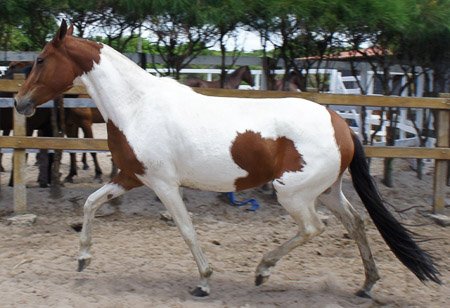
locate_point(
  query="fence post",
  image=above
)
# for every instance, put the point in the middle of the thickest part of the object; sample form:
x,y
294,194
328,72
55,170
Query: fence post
x,y
19,161
19,164
440,169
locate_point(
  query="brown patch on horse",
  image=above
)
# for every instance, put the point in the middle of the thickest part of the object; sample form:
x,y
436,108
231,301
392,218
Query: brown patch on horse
x,y
84,56
124,158
342,134
264,159
83,52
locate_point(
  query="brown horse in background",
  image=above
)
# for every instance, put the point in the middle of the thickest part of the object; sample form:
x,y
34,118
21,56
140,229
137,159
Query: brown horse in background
x,y
232,81
83,118
292,82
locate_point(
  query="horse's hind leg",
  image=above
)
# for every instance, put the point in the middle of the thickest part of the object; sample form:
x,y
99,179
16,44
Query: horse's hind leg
x,y
114,169
87,130
44,167
98,170
72,132
1,165
84,161
6,132
302,209
335,200
72,169
1,157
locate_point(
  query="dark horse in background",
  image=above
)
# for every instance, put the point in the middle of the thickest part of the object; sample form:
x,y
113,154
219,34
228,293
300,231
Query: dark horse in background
x,y
83,118
40,121
290,82
232,81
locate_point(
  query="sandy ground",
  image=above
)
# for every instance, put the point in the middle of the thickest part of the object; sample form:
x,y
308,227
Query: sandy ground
x,y
140,260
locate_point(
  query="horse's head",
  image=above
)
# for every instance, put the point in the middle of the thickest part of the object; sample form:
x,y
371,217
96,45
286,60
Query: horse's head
x,y
18,67
247,76
296,82
56,67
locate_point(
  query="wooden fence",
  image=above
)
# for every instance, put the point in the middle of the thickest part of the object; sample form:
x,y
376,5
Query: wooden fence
x,y
441,153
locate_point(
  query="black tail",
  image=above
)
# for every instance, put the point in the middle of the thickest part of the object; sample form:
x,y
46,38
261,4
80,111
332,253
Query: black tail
x,y
397,237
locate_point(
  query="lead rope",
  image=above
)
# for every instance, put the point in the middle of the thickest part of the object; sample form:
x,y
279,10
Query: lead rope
x,y
254,204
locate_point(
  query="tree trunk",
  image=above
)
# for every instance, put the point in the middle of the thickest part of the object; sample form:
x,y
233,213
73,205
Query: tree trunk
x,y
388,172
390,141
223,72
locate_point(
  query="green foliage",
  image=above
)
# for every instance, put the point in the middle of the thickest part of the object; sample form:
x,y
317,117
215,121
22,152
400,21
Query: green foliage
x,y
27,24
414,31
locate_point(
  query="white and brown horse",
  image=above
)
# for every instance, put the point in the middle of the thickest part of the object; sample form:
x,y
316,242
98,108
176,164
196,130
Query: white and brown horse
x,y
232,81
164,135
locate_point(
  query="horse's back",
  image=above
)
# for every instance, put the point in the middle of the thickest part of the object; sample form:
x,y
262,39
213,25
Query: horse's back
x,y
226,144
194,82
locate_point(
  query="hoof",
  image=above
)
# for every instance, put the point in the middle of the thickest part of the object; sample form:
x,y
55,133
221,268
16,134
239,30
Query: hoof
x,y
83,263
266,187
363,293
98,179
260,279
223,197
199,292
68,180
85,167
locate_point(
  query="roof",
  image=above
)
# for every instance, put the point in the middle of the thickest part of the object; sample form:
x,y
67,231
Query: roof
x,y
350,54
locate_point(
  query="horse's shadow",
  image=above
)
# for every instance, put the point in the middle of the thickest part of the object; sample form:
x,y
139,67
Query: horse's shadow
x,y
229,291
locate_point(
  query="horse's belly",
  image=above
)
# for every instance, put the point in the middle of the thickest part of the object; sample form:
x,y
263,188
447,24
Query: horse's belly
x,y
211,175
216,186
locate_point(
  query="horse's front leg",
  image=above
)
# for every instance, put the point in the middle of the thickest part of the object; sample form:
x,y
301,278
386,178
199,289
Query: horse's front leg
x,y
170,196
93,203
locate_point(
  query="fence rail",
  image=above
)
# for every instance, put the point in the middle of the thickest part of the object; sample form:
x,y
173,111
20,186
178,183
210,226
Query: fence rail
x,y
441,153
70,144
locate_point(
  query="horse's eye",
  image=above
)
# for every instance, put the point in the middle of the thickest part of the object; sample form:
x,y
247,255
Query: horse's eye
x,y
39,60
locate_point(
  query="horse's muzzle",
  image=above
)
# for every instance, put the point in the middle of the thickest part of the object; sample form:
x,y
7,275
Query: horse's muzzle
x,y
24,106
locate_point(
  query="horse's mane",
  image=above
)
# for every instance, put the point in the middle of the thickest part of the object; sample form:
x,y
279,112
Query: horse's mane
x,y
238,71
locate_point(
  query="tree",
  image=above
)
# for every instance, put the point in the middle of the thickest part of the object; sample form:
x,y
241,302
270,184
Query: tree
x,y
424,41
424,47
297,29
180,32
26,24
83,14
225,16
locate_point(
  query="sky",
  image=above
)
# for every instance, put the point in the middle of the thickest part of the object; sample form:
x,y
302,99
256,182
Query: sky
x,y
248,40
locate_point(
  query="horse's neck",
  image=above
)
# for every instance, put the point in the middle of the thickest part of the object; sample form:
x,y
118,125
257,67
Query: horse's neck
x,y
294,83
234,79
116,85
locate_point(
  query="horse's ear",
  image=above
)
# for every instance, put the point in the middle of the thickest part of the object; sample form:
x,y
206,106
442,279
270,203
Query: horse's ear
x,y
70,30
62,31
